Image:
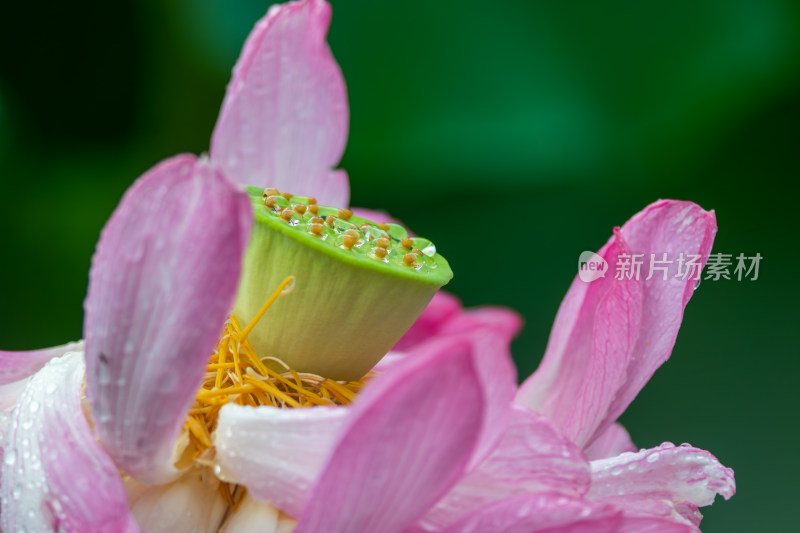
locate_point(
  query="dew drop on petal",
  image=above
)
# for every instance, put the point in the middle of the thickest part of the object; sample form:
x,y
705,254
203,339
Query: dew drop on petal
x,y
10,457
103,375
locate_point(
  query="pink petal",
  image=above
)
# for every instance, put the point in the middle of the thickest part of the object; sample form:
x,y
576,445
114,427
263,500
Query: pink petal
x,y
531,457
605,320
411,433
612,442
490,330
285,116
668,472
543,513
505,321
276,453
444,315
15,366
498,380
55,474
163,279
441,308
611,335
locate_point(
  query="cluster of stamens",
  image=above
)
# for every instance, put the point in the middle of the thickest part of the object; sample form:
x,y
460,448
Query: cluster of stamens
x,y
236,374
384,242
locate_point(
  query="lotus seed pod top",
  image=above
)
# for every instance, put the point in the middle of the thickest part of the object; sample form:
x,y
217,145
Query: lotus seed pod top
x,y
358,285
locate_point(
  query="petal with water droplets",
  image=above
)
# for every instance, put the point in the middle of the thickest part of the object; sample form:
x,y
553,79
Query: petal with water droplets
x,y
55,474
276,453
15,366
667,472
162,282
285,116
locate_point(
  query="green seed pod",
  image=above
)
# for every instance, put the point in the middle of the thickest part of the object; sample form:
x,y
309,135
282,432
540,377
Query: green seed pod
x,y
357,286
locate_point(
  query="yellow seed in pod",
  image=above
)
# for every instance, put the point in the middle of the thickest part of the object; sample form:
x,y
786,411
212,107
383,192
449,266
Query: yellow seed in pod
x,y
348,241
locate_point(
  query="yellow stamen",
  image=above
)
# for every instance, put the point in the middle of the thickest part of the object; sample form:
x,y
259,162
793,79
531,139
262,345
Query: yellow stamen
x,y
205,395
345,395
199,430
218,366
236,374
272,390
222,351
236,365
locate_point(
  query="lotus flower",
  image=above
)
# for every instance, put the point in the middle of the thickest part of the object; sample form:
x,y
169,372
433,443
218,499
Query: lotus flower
x,y
439,439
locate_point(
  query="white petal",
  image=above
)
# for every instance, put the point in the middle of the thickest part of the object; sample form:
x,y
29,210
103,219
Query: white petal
x,y
192,504
276,453
256,517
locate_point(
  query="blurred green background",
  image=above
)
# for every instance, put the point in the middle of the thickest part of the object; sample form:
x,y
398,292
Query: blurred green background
x,y
573,114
